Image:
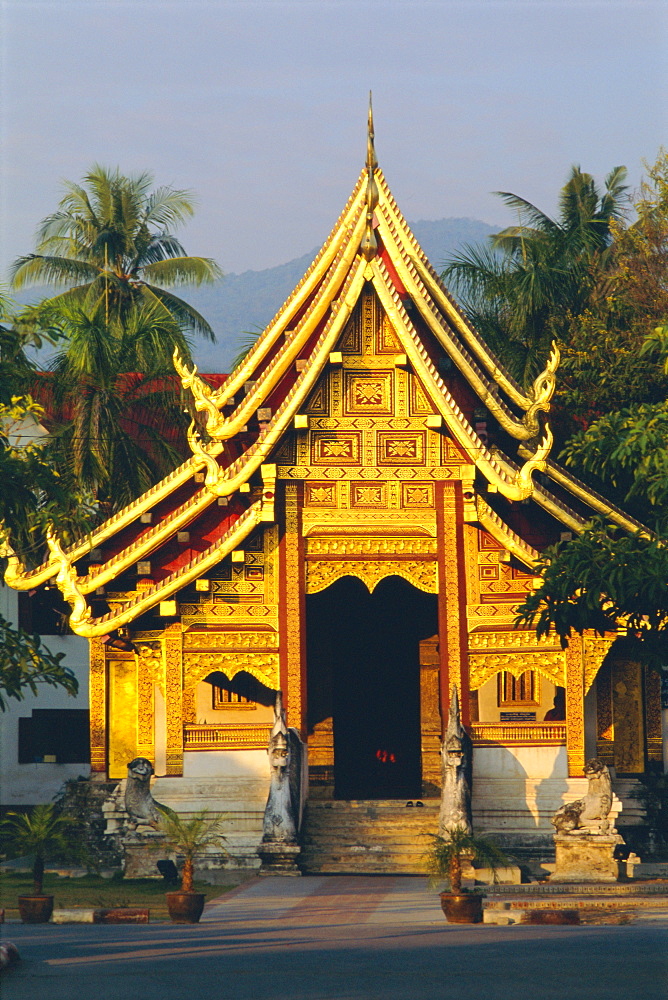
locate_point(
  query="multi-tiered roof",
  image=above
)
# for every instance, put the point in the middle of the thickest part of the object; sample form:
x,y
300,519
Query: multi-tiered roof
x,y
202,511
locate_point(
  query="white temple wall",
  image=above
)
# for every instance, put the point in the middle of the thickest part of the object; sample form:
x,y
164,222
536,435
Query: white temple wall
x,y
35,783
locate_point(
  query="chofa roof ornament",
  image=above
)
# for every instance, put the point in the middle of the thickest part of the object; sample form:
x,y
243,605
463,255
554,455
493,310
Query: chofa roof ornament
x,y
369,244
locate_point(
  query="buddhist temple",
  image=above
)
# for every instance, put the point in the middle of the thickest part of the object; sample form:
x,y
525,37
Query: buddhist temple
x,y
359,521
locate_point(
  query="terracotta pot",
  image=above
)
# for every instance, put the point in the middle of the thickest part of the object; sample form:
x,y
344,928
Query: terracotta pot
x,y
462,908
185,907
35,909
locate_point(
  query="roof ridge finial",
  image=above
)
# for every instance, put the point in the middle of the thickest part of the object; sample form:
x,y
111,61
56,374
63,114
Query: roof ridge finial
x,y
371,160
369,244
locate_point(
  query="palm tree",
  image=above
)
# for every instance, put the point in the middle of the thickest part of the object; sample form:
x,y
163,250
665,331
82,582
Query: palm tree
x,y
110,242
36,834
523,289
114,400
190,837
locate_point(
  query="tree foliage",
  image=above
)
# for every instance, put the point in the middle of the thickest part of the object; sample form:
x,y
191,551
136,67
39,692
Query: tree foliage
x,y
524,288
110,242
115,414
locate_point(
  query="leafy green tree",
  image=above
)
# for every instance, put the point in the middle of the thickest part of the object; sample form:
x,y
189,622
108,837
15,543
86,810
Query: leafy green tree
x,y
523,289
114,399
110,243
605,578
25,663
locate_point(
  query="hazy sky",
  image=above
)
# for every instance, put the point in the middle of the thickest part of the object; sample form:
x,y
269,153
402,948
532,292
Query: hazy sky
x,y
259,106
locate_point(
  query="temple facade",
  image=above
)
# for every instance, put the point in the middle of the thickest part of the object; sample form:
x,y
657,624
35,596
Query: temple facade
x,y
361,517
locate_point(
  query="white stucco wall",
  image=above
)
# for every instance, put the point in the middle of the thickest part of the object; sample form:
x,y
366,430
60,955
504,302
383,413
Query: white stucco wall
x,y
30,784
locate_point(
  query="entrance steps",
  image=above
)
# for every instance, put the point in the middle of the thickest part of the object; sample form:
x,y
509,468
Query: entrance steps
x,y
367,837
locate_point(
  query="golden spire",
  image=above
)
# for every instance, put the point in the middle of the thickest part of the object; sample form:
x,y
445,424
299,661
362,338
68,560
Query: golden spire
x,y
369,244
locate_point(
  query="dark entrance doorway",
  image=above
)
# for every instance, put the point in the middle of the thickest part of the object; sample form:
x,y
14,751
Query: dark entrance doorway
x,y
364,674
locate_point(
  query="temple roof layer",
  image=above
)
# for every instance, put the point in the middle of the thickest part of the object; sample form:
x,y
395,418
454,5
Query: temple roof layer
x,y
234,443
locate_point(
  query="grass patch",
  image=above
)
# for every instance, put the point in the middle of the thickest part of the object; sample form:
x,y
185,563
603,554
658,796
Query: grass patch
x,y
94,891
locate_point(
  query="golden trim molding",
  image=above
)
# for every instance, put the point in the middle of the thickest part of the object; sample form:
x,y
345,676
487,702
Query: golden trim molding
x,y
483,666
321,573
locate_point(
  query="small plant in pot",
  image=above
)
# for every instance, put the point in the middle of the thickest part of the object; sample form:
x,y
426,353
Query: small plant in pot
x,y
445,860
38,833
188,837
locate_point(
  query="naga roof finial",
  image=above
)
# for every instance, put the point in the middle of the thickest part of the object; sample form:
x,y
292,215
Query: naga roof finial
x,y
369,244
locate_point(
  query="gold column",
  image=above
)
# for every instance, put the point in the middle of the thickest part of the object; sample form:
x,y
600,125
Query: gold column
x,y
174,697
97,694
451,598
292,611
145,708
575,735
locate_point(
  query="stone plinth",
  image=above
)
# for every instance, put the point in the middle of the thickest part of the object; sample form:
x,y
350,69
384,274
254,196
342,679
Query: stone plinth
x,y
279,859
586,857
142,851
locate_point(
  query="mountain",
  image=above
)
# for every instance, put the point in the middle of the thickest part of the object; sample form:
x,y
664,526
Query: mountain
x,y
247,302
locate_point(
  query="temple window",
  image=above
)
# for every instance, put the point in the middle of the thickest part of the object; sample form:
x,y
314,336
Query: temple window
x,y
224,698
522,690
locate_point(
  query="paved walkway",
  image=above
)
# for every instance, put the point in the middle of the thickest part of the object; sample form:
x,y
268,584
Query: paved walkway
x,y
337,938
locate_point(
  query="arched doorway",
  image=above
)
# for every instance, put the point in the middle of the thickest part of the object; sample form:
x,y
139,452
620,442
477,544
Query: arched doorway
x,y
364,675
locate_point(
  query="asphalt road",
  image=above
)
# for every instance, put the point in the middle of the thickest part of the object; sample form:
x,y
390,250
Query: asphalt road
x,y
337,938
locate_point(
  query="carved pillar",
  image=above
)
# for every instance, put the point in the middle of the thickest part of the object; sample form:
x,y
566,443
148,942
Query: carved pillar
x,y
97,694
292,611
174,698
627,712
653,727
451,597
575,731
145,704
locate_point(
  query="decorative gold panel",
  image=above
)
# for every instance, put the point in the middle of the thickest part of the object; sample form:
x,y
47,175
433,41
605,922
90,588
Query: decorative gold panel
x,y
529,733
320,494
595,649
420,406
340,448
321,573
400,448
483,666
229,640
226,737
627,711
510,640
374,545
368,393
575,735
387,341
654,737
97,700
292,644
174,698
368,495
417,494
261,665
318,403
122,714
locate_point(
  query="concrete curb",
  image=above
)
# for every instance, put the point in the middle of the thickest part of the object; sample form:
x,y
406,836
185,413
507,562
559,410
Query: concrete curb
x,y
118,915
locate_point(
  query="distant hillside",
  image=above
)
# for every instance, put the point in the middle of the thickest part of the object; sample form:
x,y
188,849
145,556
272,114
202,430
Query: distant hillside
x,y
248,301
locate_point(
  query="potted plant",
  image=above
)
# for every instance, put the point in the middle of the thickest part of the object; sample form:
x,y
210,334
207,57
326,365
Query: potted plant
x,y
188,837
36,833
444,861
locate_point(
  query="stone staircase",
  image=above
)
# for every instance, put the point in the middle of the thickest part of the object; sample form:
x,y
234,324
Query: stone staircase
x,y
367,837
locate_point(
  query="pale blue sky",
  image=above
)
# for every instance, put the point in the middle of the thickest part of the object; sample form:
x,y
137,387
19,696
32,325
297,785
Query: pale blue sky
x,y
259,106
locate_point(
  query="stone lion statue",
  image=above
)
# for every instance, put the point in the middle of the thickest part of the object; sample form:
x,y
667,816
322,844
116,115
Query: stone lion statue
x,y
590,814
140,805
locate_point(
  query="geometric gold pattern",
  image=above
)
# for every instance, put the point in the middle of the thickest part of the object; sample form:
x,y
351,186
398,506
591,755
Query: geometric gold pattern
x,y
420,573
485,665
